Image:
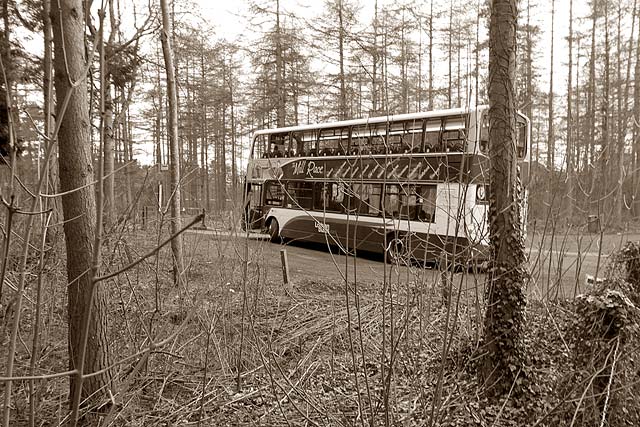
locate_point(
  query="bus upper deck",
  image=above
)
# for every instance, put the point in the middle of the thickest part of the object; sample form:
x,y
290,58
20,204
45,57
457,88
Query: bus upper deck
x,y
454,130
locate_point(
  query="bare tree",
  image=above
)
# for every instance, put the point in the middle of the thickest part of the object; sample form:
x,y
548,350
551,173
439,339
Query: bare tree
x,y
591,94
504,318
174,152
635,152
551,144
570,148
88,344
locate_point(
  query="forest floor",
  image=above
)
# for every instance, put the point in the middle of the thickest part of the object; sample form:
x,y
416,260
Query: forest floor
x,y
244,349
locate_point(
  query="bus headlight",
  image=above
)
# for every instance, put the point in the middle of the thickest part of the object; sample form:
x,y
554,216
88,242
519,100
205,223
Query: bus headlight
x,y
481,193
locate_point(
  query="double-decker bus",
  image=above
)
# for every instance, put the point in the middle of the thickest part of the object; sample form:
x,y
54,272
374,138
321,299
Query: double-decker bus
x,y
409,185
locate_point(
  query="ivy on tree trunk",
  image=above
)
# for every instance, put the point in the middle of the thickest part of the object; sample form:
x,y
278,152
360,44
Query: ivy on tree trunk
x,y
504,318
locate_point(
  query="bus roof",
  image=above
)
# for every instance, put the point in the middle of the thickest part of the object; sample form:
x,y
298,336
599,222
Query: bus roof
x,y
371,120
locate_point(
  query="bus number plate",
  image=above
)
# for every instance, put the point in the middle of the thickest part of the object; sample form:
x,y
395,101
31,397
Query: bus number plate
x,y
322,228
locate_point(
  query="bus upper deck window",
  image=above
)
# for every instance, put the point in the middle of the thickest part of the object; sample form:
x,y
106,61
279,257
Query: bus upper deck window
x,y
260,147
432,135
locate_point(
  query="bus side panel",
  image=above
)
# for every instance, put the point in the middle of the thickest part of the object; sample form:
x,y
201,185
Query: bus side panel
x,y
334,231
422,242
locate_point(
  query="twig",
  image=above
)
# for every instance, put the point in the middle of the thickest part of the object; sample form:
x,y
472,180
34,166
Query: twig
x,y
593,377
606,401
151,252
97,181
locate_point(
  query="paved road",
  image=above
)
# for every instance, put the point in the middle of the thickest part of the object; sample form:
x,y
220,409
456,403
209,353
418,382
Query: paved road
x,y
317,262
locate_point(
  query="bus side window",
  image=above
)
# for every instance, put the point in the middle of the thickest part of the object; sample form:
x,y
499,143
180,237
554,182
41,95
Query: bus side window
x,y
363,199
277,145
392,200
300,195
396,144
453,140
432,135
408,201
328,197
375,192
318,196
427,203
337,192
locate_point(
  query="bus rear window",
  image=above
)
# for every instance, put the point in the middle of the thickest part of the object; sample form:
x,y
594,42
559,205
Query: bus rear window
x,y
521,136
521,139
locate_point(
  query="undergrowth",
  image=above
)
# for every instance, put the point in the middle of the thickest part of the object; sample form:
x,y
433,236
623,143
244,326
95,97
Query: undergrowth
x,y
252,351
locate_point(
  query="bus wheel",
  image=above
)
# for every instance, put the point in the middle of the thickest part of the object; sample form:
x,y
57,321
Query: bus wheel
x,y
395,250
274,231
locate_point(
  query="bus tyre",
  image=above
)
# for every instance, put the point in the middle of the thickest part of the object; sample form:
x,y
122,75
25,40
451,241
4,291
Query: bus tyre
x,y
274,231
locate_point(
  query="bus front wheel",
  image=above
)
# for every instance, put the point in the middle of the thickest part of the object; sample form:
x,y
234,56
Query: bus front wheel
x,y
274,231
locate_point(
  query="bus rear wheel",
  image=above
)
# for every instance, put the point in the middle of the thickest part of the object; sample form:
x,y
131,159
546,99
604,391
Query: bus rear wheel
x,y
274,231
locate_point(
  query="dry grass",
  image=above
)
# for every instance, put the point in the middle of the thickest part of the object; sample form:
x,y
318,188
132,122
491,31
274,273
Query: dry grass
x,y
251,351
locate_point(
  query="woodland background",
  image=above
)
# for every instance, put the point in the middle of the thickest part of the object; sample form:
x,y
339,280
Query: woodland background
x,y
409,56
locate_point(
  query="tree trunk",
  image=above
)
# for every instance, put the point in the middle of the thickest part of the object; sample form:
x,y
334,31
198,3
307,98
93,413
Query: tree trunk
x,y
430,106
79,207
617,167
204,143
551,146
450,54
222,162
635,153
504,318
603,183
569,153
343,89
281,106
174,150
374,60
5,48
52,166
234,172
626,114
127,145
419,100
529,77
109,157
591,103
